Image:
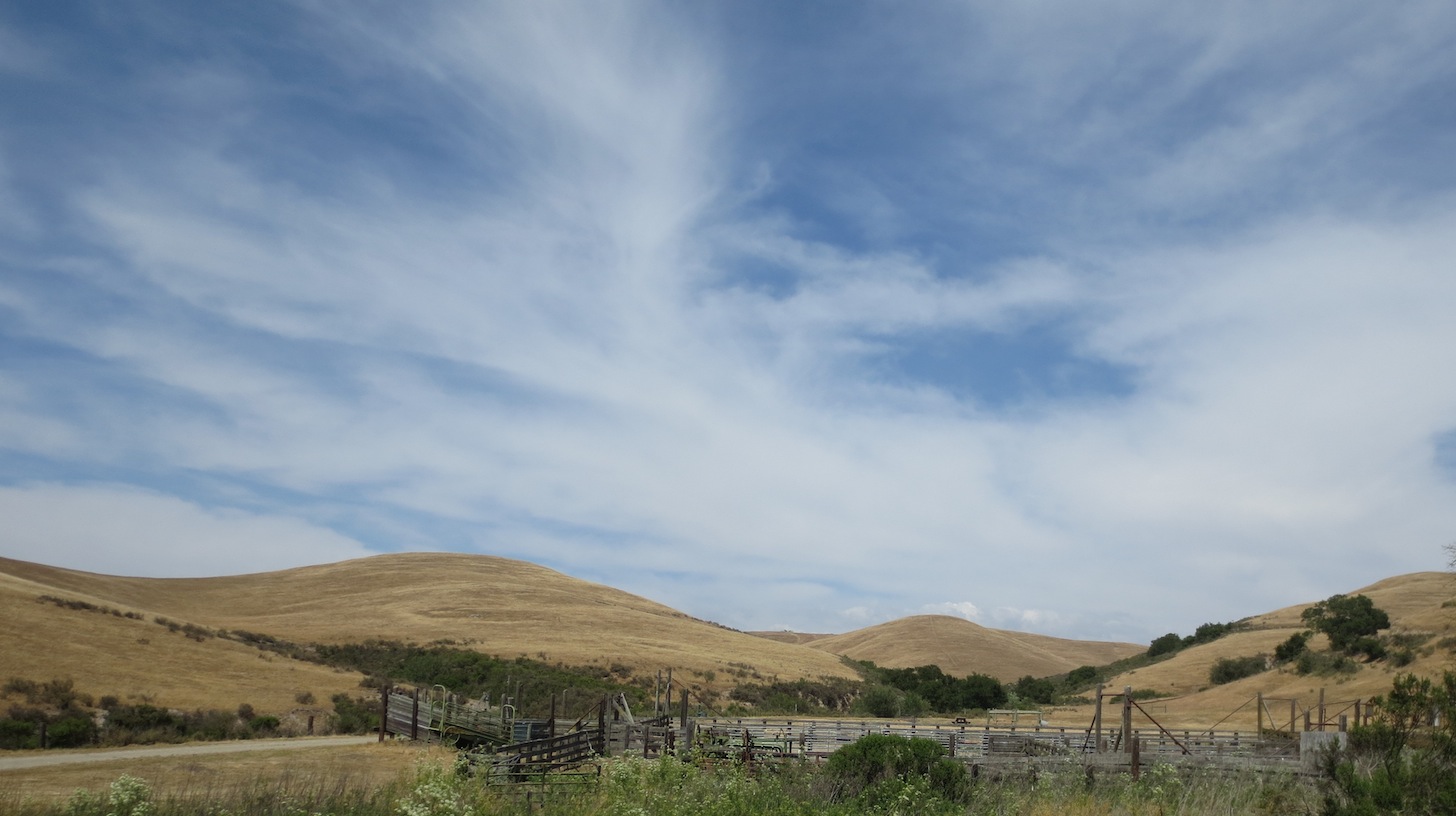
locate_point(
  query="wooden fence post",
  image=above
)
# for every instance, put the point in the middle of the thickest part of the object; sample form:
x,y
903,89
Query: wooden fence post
x,y
383,711
602,725
1097,722
1127,718
415,714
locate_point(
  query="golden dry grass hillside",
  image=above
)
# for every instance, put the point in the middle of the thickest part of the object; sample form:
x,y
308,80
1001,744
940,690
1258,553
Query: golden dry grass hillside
x,y
495,605
512,608
136,660
1420,605
960,647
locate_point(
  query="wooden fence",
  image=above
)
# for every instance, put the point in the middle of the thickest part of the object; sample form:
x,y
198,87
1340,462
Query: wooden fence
x,y
817,738
517,750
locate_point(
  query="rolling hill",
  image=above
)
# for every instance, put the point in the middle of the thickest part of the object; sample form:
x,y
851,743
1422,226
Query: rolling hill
x,y
494,605
961,648
105,634
1421,606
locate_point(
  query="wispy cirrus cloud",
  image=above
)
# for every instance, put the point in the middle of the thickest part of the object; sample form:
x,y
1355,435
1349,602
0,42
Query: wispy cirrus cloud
x,y
923,302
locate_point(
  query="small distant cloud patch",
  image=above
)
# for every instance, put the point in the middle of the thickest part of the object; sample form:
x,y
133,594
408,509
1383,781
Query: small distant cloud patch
x,y
1444,450
1025,619
959,609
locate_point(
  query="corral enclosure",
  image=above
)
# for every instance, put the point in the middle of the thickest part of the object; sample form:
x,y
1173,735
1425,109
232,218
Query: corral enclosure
x,y
1121,737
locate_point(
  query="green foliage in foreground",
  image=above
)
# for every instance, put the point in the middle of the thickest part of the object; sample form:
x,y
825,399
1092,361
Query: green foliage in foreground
x,y
1399,764
630,786
877,760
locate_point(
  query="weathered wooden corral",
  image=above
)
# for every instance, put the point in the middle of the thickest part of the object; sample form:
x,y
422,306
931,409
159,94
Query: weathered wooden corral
x,y
507,749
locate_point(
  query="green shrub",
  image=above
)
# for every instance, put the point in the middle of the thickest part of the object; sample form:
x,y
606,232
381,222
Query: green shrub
x,y
1346,620
1369,646
879,701
71,732
1385,769
877,759
1167,644
264,724
1209,632
798,696
945,693
1082,676
1035,690
1324,664
143,724
355,716
1293,647
214,725
1229,669
19,734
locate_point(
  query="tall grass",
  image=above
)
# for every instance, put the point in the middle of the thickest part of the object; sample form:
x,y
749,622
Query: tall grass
x,y
631,786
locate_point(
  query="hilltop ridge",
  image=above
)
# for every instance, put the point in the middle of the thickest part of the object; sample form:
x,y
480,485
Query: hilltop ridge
x,y
512,608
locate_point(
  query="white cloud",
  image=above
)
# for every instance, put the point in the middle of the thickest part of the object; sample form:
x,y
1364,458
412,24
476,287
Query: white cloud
x,y
120,530
960,609
1029,620
564,356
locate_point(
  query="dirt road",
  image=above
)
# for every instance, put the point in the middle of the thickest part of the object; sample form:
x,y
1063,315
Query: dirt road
x,y
42,759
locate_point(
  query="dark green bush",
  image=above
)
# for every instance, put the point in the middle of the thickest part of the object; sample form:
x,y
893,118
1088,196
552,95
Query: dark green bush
x,y
1082,676
214,725
1209,632
1324,664
879,701
265,724
473,674
1385,768
798,696
143,724
1167,644
1369,646
1293,647
1035,690
19,734
945,693
871,761
71,732
1346,620
355,715
1229,669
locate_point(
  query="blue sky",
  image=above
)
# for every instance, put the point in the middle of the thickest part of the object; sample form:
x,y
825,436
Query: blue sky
x,y
1095,320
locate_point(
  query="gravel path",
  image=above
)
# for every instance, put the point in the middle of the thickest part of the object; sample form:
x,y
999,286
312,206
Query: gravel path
x,y
40,759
